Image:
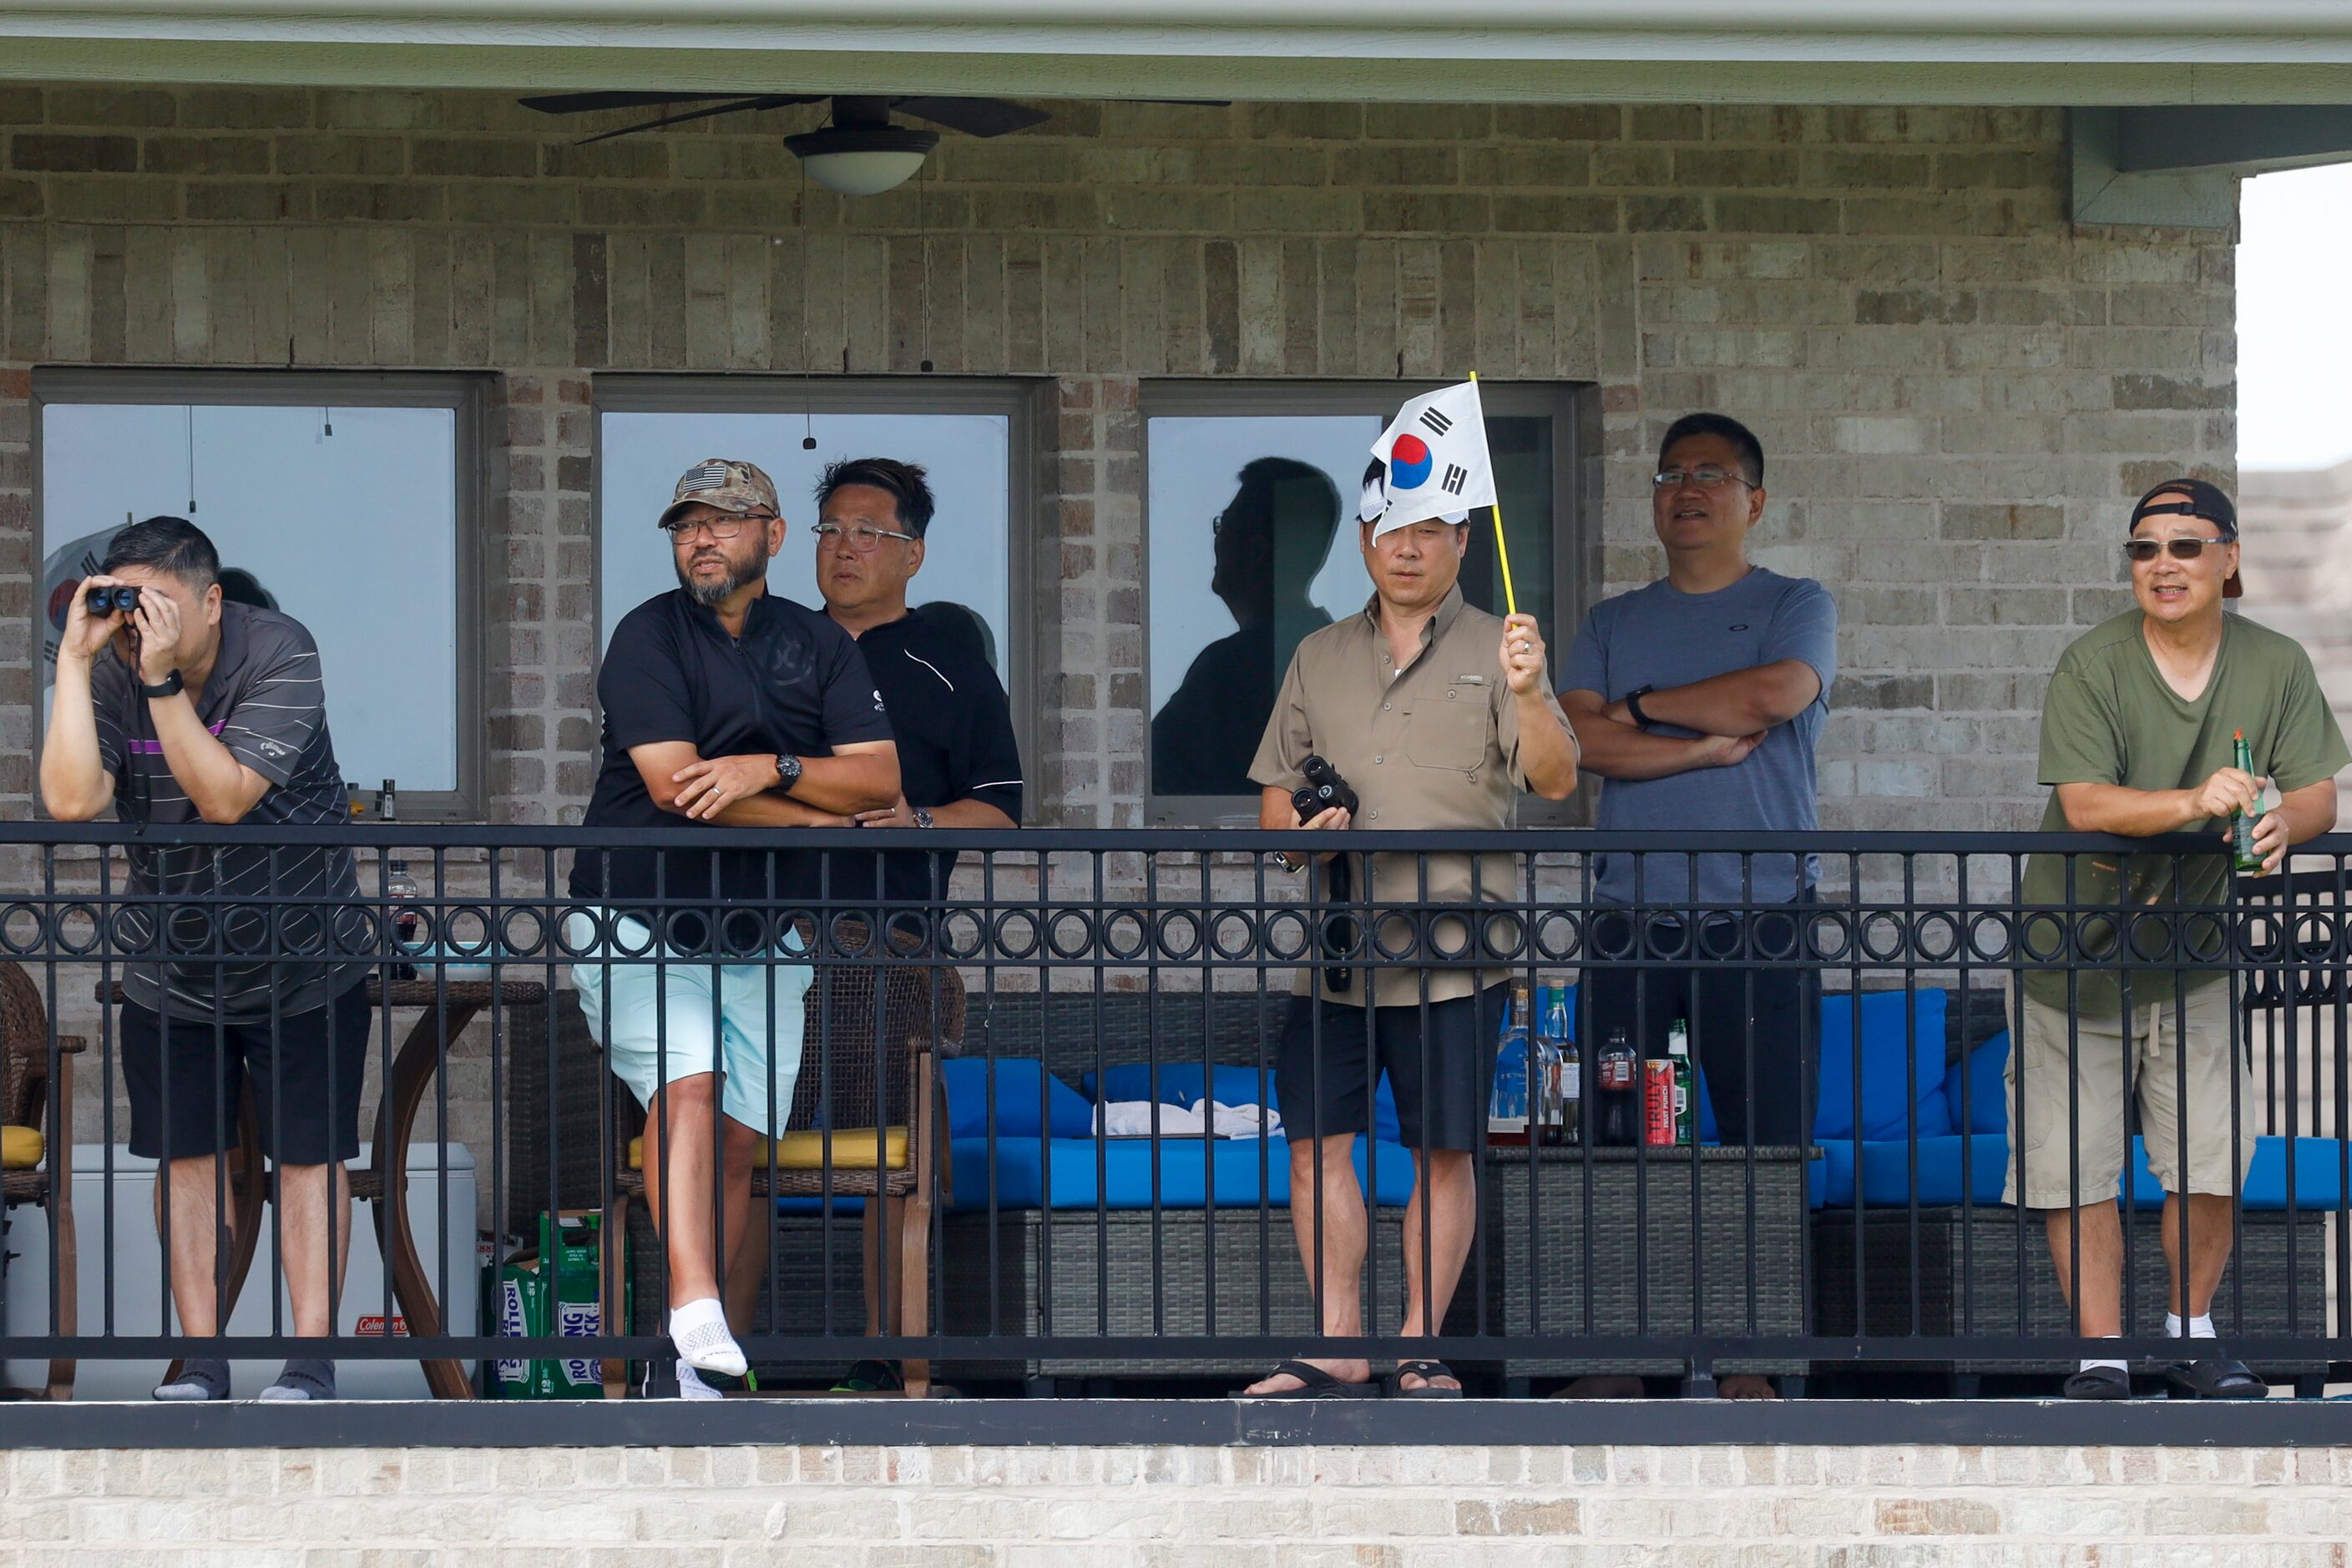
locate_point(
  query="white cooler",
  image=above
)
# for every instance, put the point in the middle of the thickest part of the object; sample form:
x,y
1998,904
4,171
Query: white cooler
x,y
138,1258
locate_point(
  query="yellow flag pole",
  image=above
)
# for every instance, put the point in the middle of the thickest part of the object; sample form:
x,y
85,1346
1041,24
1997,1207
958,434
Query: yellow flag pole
x,y
1502,547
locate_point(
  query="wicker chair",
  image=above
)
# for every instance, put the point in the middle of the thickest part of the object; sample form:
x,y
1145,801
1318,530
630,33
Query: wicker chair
x,y
24,1107
920,1005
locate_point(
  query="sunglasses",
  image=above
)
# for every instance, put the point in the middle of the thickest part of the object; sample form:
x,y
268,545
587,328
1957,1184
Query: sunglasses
x,y
2143,551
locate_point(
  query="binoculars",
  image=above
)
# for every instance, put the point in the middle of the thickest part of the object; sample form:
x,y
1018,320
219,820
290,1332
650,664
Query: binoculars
x,y
1323,790
105,601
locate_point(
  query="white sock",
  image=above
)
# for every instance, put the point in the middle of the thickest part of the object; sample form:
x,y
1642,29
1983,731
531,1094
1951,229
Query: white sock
x,y
2116,1365
699,1328
691,1386
2200,1328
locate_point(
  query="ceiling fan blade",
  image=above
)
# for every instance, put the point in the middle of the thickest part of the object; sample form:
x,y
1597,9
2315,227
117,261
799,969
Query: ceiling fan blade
x,y
972,116
732,107
586,102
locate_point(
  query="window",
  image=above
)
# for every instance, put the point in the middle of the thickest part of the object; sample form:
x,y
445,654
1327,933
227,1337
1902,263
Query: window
x,y
347,502
972,437
1251,501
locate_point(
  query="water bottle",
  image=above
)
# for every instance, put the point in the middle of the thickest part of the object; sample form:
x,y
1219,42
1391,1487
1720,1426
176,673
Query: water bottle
x,y
1564,1102
2242,822
1678,1056
1619,1072
1506,1107
400,887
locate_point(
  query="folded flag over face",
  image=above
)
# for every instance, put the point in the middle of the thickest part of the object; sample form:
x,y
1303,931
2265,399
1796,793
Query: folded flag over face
x,y
1435,449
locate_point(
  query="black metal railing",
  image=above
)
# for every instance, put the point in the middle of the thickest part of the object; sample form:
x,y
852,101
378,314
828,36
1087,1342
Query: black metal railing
x,y
986,1167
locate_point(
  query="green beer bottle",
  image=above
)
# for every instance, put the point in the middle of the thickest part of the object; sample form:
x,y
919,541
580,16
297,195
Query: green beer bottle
x,y
2242,757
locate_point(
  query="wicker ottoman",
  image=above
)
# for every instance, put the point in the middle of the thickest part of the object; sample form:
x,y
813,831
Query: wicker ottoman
x,y
1601,1241
1970,1265
1114,1274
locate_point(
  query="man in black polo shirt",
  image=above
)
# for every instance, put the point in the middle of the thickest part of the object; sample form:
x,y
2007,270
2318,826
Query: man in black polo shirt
x,y
724,705
212,711
959,766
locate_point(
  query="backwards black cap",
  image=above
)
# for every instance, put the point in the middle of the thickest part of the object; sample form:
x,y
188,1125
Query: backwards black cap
x,y
2205,500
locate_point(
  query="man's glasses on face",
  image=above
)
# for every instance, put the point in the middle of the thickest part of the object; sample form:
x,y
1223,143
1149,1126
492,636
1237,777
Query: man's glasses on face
x,y
863,537
719,528
2140,552
1708,477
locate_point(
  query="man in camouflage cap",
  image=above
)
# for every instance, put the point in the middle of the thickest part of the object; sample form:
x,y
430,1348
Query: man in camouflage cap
x,y
725,706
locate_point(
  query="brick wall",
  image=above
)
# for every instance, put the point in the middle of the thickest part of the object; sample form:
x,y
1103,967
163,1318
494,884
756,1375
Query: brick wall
x,y
1189,1508
1957,386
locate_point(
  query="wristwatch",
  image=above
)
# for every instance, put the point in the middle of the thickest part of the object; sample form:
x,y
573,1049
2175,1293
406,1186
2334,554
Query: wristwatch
x,y
1634,704
170,686
788,771
922,815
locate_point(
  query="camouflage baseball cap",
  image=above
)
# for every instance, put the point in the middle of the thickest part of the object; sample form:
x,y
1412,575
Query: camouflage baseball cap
x,y
728,483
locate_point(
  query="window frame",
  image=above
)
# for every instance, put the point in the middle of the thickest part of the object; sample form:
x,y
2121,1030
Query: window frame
x,y
632,392
1567,405
463,393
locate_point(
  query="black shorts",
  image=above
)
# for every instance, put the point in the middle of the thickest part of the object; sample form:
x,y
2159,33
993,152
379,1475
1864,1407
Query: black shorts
x,y
1446,1109
302,1123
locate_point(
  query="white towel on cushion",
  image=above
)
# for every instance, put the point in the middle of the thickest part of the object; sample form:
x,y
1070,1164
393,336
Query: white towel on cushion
x,y
1133,1119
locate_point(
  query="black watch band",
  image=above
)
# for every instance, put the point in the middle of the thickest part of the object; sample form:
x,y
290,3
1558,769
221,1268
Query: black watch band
x,y
170,686
788,771
1634,704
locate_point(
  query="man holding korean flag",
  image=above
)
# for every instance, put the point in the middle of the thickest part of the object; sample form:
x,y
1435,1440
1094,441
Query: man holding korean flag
x,y
1436,714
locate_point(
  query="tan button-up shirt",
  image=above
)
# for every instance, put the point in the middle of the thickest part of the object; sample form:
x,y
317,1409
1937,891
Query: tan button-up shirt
x,y
1434,745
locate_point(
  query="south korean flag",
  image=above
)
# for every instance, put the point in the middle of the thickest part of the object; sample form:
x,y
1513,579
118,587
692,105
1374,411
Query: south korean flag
x,y
1436,450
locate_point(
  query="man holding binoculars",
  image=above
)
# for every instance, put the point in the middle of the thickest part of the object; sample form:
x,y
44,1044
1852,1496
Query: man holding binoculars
x,y
1434,715
213,711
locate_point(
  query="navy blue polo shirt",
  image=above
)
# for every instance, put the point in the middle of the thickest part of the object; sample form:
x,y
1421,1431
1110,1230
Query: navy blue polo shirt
x,y
794,683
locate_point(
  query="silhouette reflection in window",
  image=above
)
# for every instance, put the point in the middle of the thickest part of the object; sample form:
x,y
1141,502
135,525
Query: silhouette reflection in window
x,y
1272,539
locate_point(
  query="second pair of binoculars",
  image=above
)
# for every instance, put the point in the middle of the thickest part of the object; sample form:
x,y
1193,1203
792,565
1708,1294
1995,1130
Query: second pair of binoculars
x,y
107,599
1323,790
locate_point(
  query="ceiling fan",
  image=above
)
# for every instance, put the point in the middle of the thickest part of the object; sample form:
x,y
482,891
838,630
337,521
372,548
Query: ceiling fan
x,y
859,154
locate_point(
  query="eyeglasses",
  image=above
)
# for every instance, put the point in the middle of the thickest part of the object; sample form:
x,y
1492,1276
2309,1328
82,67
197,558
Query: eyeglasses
x,y
2143,551
863,538
719,528
1709,477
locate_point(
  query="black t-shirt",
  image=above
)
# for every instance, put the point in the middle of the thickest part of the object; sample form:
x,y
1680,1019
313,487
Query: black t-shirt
x,y
794,683
954,728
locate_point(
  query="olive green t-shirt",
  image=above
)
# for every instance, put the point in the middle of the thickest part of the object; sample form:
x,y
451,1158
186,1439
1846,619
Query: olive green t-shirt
x,y
2111,718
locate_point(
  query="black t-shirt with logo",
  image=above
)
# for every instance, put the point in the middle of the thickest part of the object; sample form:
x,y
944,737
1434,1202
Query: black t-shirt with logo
x,y
795,683
954,727
266,700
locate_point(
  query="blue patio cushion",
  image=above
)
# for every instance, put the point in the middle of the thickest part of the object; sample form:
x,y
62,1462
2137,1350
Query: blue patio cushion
x,y
1829,1179
1886,1171
1016,1079
1986,1104
1888,1093
1129,1172
1180,1084
842,1208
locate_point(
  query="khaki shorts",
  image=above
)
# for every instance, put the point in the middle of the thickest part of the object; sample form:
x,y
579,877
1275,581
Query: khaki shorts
x,y
2217,1163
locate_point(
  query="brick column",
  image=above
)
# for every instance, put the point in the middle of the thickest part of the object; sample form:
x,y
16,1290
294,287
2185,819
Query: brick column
x,y
22,622
1092,739
538,642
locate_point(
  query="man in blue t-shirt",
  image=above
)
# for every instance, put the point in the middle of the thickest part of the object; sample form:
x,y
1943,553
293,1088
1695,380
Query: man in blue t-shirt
x,y
1699,698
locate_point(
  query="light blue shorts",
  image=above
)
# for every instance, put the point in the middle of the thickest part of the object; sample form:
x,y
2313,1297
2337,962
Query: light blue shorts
x,y
664,1023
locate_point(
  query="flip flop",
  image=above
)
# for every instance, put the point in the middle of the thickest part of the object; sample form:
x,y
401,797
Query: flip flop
x,y
2098,1383
1425,1370
1315,1383
2216,1377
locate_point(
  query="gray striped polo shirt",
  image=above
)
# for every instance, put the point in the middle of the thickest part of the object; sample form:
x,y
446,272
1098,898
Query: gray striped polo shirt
x,y
266,700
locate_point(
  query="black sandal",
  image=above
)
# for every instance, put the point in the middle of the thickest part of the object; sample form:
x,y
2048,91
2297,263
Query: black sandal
x,y
1314,1384
1428,1371
2216,1377
2098,1383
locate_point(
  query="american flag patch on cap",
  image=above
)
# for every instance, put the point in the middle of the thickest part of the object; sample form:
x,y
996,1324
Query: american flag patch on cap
x,y
710,476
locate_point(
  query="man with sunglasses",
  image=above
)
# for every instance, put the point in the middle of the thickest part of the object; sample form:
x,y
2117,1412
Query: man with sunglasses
x,y
2138,738
725,706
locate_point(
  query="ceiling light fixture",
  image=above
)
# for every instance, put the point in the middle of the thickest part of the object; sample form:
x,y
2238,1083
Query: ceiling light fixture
x,y
862,159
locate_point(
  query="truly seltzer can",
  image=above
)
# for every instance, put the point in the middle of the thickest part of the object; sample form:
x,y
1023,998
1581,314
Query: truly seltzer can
x,y
1658,1118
